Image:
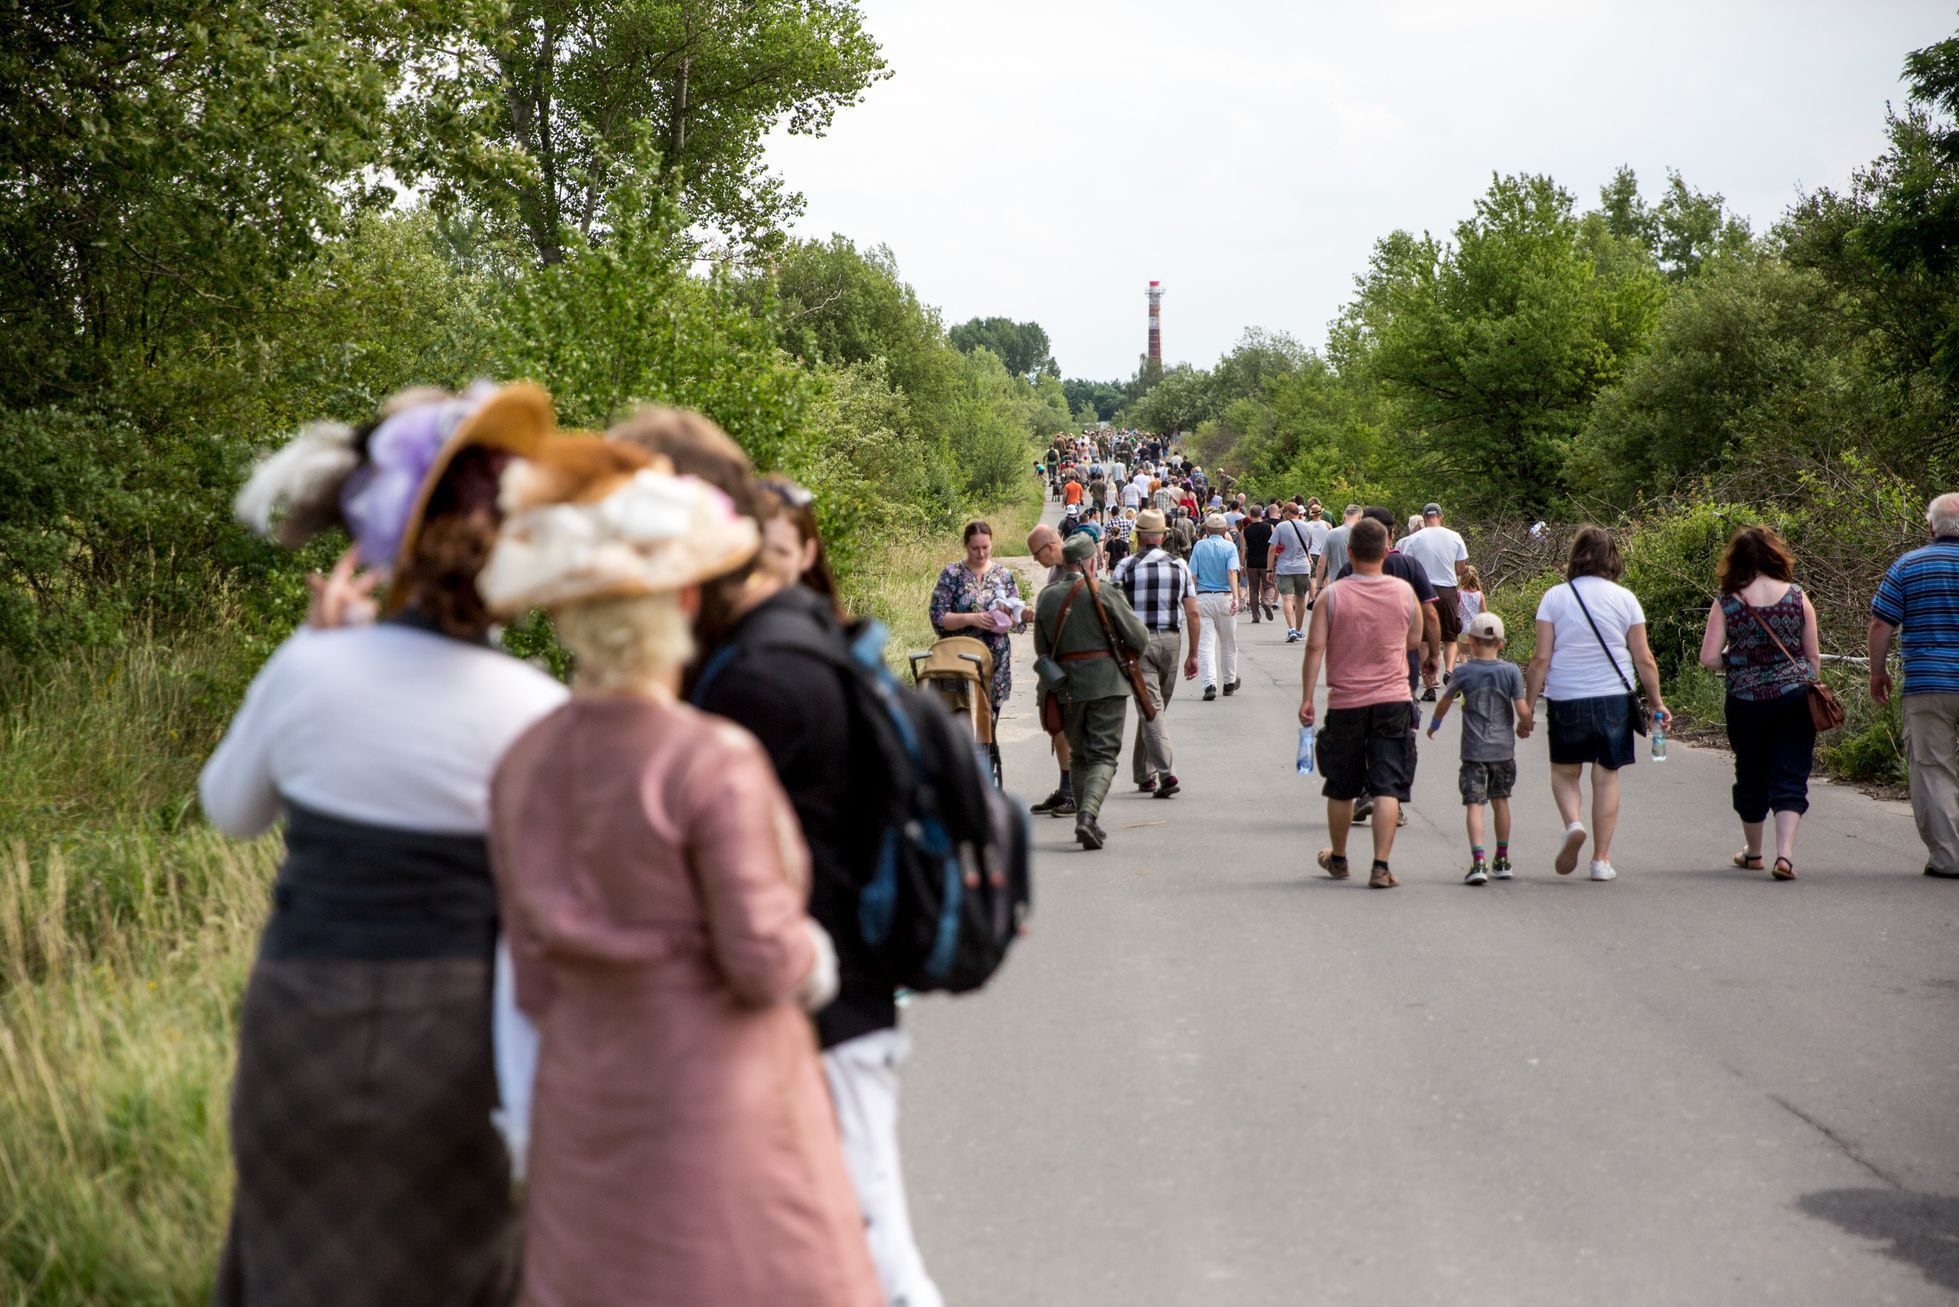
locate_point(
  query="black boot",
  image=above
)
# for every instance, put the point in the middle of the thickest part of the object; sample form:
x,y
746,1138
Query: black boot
x,y
1089,833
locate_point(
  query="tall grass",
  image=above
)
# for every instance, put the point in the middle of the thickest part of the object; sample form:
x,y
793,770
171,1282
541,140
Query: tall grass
x,y
115,1069
897,590
127,927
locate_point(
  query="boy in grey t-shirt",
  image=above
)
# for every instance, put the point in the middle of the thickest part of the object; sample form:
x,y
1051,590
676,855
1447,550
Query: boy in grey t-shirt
x,y
1494,713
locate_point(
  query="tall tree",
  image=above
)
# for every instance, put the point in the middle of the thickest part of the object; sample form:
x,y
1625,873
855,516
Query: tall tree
x,y
1681,232
590,91
1259,357
166,162
1178,402
1498,342
840,305
1022,347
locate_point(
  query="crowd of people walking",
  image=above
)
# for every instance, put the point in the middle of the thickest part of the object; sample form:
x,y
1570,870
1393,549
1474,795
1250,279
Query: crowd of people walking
x,y
576,995
1591,666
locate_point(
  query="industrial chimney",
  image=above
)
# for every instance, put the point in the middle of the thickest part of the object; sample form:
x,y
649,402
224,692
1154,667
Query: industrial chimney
x,y
1156,329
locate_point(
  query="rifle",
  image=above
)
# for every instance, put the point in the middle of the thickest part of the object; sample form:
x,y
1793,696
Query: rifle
x,y
1125,656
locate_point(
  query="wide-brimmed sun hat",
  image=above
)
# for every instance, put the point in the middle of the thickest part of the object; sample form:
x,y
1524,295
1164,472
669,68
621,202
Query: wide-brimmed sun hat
x,y
380,487
587,518
514,420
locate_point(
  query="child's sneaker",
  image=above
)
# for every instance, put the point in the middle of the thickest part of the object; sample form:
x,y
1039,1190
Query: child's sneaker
x,y
1500,869
1478,874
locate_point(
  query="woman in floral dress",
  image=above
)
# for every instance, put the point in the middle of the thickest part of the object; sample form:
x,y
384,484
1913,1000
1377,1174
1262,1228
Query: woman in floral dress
x,y
966,599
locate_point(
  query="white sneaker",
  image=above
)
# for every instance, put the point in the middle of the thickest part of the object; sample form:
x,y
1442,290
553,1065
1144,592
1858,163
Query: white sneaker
x,y
1602,871
1574,839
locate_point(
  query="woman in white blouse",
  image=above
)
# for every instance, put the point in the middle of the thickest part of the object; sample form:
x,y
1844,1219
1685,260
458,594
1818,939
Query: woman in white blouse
x,y
368,1171
1591,644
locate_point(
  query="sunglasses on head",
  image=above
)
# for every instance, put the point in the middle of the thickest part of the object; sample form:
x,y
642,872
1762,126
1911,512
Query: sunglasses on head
x,y
788,492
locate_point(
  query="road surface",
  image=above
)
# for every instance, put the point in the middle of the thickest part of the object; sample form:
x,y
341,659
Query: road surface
x,y
1211,1075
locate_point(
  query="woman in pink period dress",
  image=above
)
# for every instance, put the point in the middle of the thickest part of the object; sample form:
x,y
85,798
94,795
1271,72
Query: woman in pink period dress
x,y
682,1149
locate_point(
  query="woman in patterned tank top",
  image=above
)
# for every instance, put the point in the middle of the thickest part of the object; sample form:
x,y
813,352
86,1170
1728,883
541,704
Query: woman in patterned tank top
x,y
1769,726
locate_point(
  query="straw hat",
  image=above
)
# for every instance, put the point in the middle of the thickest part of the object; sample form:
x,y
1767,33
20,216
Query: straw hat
x,y
588,518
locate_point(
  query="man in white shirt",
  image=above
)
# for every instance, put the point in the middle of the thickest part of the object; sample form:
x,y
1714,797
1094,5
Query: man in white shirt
x,y
1442,555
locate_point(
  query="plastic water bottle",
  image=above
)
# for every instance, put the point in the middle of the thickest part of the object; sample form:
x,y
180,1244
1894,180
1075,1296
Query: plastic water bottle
x,y
1305,751
1659,738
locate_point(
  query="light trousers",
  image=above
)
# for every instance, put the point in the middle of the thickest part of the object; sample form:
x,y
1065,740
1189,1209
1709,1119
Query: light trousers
x,y
1932,752
1151,757
863,1076
1217,640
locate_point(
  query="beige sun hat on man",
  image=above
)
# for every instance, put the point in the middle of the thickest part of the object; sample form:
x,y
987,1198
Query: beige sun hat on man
x,y
588,518
1150,522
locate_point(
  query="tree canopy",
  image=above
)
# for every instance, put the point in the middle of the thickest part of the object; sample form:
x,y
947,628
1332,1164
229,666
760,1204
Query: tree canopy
x,y
1021,346
687,88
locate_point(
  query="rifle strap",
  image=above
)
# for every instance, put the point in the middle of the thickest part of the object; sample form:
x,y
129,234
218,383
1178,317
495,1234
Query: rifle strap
x,y
1061,618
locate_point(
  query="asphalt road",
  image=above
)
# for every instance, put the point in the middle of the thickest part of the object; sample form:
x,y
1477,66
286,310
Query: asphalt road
x,y
1211,1075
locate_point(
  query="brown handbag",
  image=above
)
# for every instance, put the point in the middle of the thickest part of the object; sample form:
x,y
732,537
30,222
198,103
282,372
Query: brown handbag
x,y
1825,713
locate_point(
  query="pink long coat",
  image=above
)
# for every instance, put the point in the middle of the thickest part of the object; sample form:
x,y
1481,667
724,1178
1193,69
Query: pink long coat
x,y
683,1149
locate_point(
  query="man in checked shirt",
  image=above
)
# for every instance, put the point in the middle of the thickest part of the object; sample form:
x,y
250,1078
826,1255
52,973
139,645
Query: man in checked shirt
x,y
1159,586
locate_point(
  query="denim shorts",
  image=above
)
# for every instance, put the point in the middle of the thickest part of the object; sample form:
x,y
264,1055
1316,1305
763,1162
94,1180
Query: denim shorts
x,y
1592,730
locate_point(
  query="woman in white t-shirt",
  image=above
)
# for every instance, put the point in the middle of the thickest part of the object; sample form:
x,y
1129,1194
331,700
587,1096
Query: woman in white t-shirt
x,y
1591,643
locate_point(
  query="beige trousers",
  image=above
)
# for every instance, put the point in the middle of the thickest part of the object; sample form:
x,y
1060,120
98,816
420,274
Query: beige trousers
x,y
1151,757
1932,750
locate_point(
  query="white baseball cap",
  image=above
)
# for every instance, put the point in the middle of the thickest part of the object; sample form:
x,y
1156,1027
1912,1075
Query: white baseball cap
x,y
1486,626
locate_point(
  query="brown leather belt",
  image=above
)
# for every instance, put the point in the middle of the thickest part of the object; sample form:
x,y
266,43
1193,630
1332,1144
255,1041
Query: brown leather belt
x,y
1085,654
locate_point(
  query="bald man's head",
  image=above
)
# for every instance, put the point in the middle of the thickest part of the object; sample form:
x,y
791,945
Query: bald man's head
x,y
1044,542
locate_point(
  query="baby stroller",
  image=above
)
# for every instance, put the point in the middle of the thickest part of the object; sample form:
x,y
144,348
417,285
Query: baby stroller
x,y
959,669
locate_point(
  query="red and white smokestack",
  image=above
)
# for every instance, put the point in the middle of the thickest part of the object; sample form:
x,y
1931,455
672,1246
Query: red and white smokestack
x,y
1156,325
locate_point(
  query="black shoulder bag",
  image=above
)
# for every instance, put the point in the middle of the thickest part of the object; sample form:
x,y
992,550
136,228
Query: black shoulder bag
x,y
1642,716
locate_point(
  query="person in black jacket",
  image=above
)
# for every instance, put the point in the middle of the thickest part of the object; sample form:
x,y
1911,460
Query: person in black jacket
x,y
762,665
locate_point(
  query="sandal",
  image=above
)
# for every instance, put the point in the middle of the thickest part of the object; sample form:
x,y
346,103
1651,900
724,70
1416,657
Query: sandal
x,y
1333,864
1784,869
1748,861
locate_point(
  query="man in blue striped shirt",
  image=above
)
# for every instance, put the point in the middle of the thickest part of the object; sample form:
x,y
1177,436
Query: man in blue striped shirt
x,y
1919,597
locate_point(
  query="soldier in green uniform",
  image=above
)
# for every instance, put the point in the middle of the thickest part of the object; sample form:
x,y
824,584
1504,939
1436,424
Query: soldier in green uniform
x,y
1097,693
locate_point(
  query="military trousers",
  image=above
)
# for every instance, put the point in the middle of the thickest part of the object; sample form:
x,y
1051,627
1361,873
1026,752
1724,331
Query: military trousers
x,y
1094,730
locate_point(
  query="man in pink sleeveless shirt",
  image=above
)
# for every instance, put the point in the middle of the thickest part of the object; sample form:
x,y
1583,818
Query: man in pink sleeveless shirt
x,y
1362,630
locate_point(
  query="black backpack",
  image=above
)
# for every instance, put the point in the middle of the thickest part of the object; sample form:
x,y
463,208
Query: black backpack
x,y
952,884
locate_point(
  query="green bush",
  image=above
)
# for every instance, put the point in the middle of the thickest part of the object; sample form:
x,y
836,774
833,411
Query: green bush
x,y
1671,556
1870,747
1516,604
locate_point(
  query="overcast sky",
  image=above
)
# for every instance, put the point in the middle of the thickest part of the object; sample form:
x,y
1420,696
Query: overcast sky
x,y
1045,159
